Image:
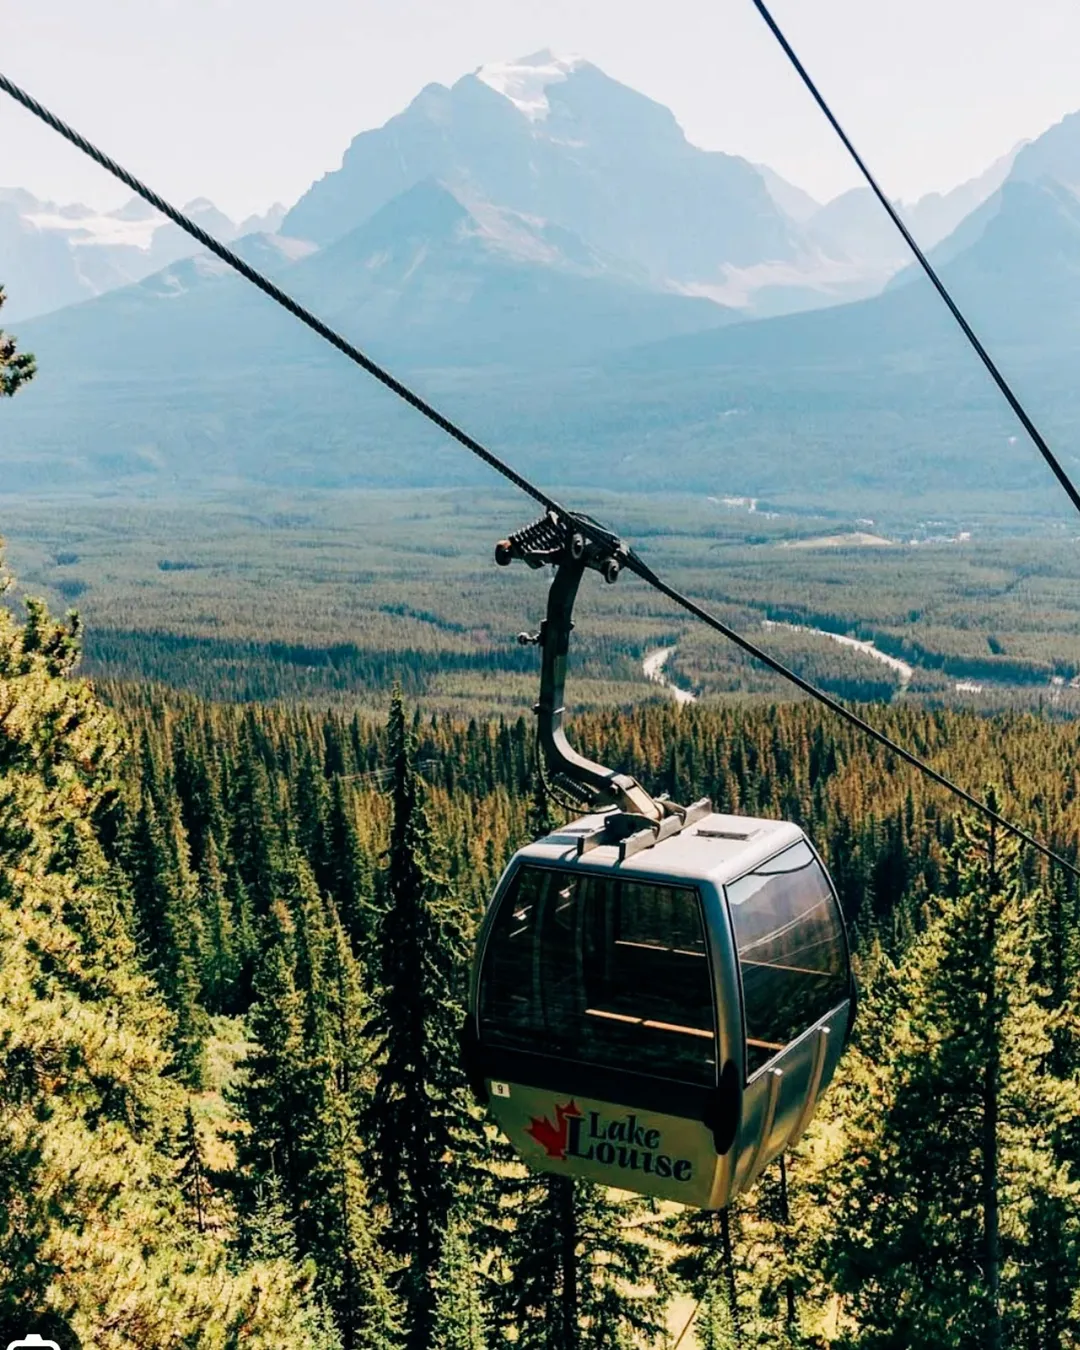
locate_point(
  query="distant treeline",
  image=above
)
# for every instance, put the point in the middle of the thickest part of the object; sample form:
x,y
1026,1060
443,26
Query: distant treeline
x,y
242,671
248,671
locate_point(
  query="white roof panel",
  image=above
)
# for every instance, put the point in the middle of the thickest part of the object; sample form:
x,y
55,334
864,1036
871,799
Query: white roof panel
x,y
717,847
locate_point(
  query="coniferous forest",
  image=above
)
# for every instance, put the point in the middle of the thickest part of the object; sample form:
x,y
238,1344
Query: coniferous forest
x,y
234,949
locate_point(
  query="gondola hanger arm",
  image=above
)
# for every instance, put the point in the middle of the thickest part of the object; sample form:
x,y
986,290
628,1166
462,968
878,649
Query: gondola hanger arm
x,y
573,544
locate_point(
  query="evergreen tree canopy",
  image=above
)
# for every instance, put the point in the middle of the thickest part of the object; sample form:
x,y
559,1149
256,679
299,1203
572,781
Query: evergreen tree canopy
x,y
579,1268
16,368
953,1158
247,862
419,1129
94,1231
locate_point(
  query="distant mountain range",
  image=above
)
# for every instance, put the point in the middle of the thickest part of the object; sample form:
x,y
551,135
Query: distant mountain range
x,y
551,139
561,141
52,256
540,247
425,281
854,226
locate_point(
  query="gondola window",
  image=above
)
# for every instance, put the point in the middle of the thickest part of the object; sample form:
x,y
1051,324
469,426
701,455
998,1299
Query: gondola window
x,y
604,971
792,953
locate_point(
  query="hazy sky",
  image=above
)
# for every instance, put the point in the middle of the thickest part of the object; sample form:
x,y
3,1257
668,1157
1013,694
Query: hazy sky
x,y
246,101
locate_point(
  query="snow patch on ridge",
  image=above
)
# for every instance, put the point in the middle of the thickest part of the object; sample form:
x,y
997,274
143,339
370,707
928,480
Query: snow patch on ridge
x,y
100,230
525,82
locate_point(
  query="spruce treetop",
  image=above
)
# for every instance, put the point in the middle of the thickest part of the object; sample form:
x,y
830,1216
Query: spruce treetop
x,y
16,368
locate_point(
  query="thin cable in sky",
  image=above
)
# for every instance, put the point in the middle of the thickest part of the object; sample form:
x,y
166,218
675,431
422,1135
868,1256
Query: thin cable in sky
x,y
590,528
1036,436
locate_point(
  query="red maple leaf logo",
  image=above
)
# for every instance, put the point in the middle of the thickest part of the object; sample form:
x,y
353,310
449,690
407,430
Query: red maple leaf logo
x,y
552,1138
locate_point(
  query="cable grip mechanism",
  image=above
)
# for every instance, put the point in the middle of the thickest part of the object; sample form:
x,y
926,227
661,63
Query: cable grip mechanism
x,y
574,544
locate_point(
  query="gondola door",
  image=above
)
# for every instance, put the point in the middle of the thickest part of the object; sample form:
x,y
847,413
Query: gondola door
x,y
596,994
794,976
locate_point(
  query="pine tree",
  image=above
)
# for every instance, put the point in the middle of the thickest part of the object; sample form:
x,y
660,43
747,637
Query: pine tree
x,y
257,842
716,1264
349,875
952,1161
419,1128
305,1085
344,1236
714,1327
459,1312
95,1239
579,1268
336,1222
16,368
266,1229
273,1094
221,962
192,1173
311,809
766,1266
166,899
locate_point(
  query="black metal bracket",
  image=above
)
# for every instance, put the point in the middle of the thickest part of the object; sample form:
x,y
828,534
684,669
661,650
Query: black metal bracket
x,y
574,544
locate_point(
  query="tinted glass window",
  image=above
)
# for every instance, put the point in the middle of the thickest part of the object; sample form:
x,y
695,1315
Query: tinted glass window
x,y
608,972
791,948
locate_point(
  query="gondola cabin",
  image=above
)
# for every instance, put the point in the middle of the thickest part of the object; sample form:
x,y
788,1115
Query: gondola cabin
x,y
662,1021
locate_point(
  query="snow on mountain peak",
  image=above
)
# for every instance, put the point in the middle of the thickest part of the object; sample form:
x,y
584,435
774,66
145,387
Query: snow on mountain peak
x,y
525,82
87,229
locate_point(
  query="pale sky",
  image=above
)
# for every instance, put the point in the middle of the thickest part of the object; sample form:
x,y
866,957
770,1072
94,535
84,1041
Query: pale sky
x,y
247,101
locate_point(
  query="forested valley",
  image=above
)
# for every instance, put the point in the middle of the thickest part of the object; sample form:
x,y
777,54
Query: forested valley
x,y
235,947
235,940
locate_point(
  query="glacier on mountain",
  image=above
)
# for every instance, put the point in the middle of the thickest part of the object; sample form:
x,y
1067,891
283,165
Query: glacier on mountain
x,y
525,82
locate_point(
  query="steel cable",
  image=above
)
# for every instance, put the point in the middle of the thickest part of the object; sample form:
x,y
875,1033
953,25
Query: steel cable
x,y
1037,438
630,559
275,293
641,569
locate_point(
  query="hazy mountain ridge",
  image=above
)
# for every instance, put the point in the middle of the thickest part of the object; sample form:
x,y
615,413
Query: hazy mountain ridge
x,y
854,226
574,356
553,139
1049,162
55,255
426,280
604,161
876,397
1014,266
558,139
435,280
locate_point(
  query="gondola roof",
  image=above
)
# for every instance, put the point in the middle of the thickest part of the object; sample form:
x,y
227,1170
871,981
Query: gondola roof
x,y
717,847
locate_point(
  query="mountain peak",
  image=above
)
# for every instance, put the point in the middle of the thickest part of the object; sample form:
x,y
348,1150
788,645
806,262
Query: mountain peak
x,y
22,200
1055,154
525,82
424,213
430,200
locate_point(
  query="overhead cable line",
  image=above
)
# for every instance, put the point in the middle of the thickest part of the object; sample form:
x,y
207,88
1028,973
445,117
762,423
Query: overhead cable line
x,y
927,266
629,558
635,564
227,255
